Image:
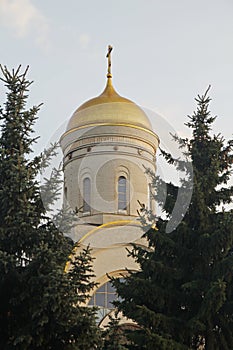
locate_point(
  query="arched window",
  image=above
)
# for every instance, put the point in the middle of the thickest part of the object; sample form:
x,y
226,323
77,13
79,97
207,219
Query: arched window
x,y
103,298
65,193
86,195
122,193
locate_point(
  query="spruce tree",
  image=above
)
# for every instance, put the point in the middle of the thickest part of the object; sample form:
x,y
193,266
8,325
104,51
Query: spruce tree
x,y
182,295
114,334
41,305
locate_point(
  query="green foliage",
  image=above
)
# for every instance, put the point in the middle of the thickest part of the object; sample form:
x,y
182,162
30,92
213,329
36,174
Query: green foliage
x,y
182,295
114,335
41,305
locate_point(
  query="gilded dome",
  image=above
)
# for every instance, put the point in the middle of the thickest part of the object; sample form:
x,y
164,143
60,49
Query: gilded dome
x,y
109,108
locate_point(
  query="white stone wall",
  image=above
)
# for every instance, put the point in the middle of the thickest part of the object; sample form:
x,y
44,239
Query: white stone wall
x,y
103,154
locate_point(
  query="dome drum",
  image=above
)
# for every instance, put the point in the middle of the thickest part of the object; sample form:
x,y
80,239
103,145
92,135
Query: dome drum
x,y
111,133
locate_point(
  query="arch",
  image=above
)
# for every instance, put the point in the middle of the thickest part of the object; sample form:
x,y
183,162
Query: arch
x,y
86,195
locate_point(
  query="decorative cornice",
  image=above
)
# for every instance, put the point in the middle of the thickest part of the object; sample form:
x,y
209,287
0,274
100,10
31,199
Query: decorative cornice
x,y
110,124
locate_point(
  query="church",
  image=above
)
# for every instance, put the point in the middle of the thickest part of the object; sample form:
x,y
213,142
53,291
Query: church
x,y
107,146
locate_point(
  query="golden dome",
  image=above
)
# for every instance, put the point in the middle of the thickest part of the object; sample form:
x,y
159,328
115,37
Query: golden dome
x,y
109,108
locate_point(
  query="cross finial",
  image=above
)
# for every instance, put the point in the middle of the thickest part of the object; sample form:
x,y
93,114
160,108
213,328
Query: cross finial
x,y
109,75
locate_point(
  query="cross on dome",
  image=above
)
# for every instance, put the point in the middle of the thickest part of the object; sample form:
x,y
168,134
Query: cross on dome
x,y
110,48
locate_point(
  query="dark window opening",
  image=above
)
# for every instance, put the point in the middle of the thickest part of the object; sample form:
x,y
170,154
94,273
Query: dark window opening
x,y
122,197
86,195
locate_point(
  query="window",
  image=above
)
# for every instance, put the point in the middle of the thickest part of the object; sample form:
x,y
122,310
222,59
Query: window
x,y
103,298
65,192
86,195
122,198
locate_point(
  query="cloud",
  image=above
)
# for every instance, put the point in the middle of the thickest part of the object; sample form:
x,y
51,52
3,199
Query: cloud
x,y
24,19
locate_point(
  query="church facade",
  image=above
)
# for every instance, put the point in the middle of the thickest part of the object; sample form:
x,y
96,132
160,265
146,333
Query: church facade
x,y
107,146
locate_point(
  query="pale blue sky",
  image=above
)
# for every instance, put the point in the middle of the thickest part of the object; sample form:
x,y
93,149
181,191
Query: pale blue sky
x,y
165,53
